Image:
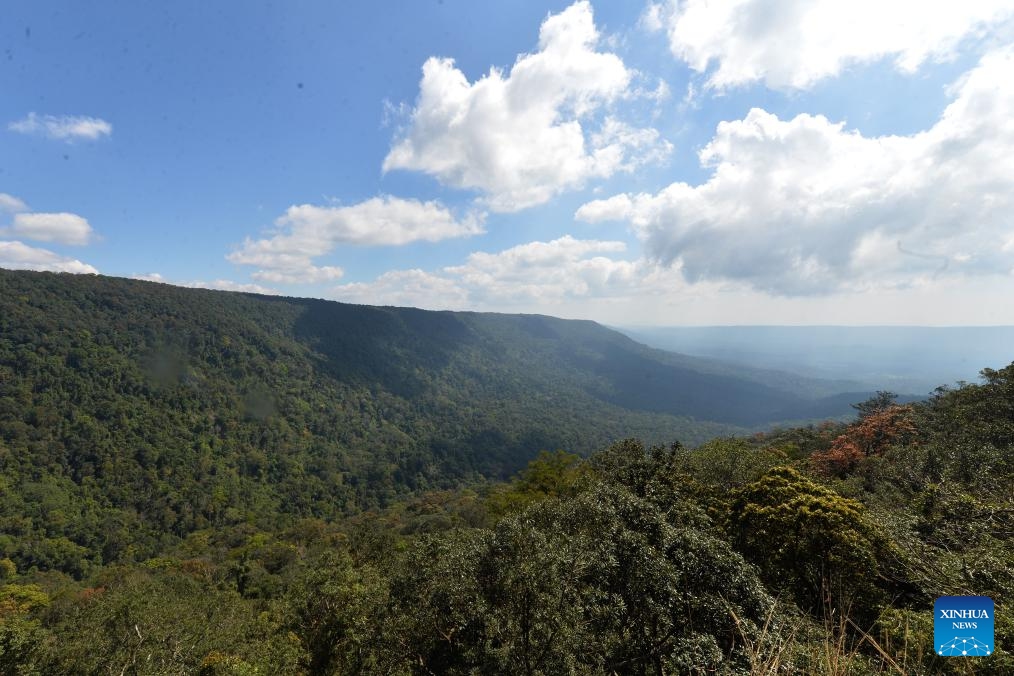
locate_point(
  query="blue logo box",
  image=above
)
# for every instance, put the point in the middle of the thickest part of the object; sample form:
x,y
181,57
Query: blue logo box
x,y
963,626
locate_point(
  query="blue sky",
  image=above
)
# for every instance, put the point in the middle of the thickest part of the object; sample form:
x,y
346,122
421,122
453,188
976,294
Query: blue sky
x,y
749,162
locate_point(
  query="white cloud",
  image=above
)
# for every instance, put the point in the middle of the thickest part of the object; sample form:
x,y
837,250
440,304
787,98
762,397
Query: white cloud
x,y
519,138
62,127
539,270
63,228
796,43
626,147
380,221
540,276
151,277
653,17
615,208
804,206
580,279
11,204
659,296
940,302
220,284
18,256
228,285
309,274
413,288
307,231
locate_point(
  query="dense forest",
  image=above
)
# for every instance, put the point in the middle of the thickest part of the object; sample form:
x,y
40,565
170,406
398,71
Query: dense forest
x,y
202,482
133,414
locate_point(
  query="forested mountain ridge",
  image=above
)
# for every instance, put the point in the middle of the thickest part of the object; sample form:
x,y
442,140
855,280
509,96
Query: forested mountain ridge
x,y
215,483
132,413
815,550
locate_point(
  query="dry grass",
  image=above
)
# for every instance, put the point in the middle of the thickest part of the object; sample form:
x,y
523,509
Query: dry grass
x,y
839,651
767,651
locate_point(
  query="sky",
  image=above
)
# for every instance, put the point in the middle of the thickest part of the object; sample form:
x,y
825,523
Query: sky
x,y
673,163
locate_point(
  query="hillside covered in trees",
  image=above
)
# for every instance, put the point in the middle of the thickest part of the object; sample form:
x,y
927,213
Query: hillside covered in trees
x,y
134,413
202,482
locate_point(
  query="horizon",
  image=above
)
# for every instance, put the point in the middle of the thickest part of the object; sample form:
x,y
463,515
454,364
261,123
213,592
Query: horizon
x,y
658,164
609,325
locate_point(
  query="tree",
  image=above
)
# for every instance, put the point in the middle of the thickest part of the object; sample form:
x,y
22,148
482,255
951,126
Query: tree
x,y
604,582
549,475
877,429
337,611
21,636
808,541
881,401
162,620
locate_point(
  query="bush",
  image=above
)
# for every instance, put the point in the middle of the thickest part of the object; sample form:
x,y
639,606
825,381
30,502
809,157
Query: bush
x,y
605,582
808,541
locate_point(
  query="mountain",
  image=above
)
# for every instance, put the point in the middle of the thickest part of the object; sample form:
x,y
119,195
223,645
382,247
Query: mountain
x,y
898,358
131,411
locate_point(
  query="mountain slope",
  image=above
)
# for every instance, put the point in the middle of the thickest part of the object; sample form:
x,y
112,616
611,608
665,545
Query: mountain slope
x,y
132,411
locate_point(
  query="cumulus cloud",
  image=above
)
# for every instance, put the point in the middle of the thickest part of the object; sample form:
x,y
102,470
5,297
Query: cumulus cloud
x,y
229,285
15,255
306,274
412,288
559,268
62,228
151,277
543,275
792,44
220,284
307,231
11,204
806,206
62,127
520,137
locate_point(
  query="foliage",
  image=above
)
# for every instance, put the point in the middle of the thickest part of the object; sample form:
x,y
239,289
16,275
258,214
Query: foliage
x,y
198,482
603,583
557,474
880,426
163,622
21,636
729,463
133,414
808,541
337,613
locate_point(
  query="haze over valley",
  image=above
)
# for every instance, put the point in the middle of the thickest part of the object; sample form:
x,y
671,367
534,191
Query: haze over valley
x,y
906,359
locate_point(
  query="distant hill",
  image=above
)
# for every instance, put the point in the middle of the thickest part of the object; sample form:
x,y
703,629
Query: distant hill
x,y
157,409
913,359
